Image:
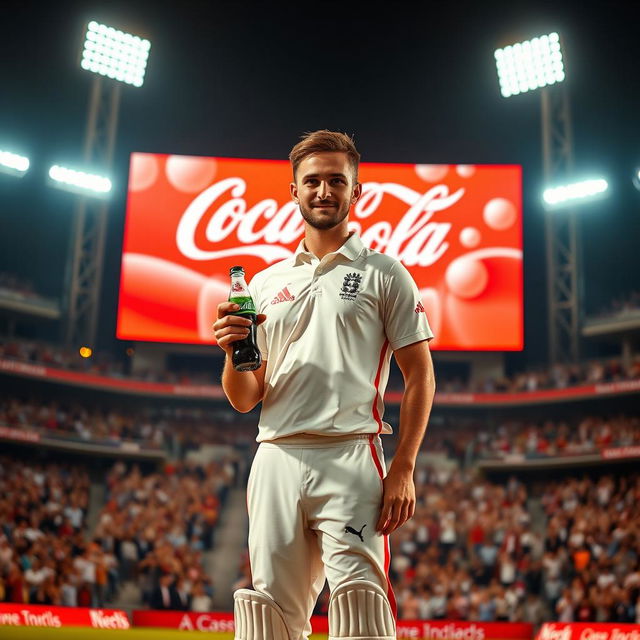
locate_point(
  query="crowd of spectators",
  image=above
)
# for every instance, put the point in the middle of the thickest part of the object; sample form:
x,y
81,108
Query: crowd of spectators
x,y
621,305
11,283
469,553
175,429
592,548
467,438
558,376
158,526
555,377
101,363
153,530
584,435
45,556
21,289
473,551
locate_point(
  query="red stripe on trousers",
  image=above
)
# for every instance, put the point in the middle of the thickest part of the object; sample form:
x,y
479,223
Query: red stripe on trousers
x,y
387,554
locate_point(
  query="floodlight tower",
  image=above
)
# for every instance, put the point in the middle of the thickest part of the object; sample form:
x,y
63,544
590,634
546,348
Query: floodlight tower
x,y
114,58
522,67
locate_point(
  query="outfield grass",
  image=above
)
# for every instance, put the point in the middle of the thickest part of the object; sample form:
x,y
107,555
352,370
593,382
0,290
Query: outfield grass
x,y
78,633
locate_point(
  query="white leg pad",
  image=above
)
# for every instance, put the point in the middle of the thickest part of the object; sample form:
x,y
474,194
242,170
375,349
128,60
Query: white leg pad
x,y
360,610
258,617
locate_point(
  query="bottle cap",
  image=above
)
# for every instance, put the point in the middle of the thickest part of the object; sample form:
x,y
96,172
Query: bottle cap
x,y
236,270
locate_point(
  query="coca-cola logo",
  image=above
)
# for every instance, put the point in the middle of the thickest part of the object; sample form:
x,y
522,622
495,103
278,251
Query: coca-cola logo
x,y
416,239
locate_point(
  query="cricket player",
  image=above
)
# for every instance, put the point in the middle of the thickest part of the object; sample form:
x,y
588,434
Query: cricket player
x,y
321,504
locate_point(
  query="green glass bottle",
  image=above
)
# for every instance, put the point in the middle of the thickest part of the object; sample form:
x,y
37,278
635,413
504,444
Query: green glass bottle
x,y
246,355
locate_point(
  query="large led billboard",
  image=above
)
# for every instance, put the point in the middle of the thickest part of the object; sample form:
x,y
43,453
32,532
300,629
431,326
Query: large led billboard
x,y
457,228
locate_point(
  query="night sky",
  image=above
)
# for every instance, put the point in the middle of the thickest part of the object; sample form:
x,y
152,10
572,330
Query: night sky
x,y
414,82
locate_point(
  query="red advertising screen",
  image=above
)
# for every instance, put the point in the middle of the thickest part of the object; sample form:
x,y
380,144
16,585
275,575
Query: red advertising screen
x,y
457,228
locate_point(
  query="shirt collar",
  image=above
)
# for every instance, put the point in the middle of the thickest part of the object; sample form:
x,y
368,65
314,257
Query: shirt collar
x,y
351,248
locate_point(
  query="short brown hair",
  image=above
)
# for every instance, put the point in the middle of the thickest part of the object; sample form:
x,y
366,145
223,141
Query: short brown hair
x,y
322,141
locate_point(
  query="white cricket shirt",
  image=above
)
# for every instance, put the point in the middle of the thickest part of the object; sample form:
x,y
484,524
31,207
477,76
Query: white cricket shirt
x,y
331,327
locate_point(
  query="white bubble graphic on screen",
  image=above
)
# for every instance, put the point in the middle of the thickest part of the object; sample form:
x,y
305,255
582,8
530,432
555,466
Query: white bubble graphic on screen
x,y
189,174
432,172
143,172
467,277
500,214
465,170
470,237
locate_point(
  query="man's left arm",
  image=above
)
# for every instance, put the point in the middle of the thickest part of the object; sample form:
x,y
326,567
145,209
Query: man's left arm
x,y
399,493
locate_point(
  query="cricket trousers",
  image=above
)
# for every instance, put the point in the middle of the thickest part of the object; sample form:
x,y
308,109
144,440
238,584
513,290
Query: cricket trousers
x,y
313,508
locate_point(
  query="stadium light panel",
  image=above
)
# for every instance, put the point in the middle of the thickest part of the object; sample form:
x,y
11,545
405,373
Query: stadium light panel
x,y
115,54
79,181
13,163
529,65
574,193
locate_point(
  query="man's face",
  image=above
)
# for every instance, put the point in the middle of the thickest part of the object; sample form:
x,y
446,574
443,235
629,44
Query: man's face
x,y
325,189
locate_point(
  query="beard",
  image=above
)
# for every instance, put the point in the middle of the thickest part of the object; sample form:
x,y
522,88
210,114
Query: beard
x,y
323,221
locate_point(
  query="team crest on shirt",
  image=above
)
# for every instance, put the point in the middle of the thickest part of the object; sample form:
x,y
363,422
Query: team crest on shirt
x,y
351,286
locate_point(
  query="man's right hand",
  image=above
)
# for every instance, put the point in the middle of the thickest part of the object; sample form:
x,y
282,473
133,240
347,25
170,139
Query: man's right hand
x,y
229,328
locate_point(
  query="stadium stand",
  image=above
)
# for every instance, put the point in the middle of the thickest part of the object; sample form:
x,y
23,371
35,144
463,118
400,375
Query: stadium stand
x,y
556,377
526,546
153,528
43,510
474,550
471,439
20,296
174,429
627,303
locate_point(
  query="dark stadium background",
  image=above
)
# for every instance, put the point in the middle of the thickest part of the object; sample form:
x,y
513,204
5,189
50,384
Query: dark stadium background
x,y
414,82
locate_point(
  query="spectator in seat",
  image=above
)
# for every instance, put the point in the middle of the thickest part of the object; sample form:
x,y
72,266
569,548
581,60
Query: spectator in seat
x,y
163,597
200,601
85,595
17,587
182,595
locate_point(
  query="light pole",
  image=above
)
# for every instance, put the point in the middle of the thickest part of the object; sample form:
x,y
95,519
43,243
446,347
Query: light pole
x,y
526,66
114,58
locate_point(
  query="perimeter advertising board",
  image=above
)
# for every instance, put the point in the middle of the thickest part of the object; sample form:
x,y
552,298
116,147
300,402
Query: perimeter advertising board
x,y
33,615
588,631
216,622
457,228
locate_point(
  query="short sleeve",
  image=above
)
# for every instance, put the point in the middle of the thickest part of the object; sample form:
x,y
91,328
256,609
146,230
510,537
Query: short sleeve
x,y
405,319
261,336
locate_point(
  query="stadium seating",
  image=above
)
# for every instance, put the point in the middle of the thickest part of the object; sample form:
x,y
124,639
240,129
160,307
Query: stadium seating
x,y
152,529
